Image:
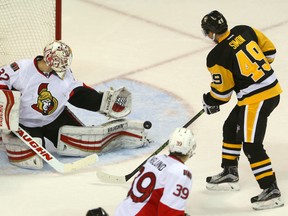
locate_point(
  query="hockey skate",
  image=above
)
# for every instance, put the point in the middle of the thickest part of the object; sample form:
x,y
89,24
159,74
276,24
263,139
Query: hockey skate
x,y
269,198
227,180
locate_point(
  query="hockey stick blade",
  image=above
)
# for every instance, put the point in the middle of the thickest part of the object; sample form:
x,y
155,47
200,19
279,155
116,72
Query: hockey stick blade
x,y
105,177
50,159
108,178
79,164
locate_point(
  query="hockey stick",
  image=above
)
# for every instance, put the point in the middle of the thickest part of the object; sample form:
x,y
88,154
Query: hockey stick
x,y
105,177
50,159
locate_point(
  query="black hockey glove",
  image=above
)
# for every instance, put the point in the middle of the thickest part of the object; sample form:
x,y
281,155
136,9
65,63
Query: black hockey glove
x,y
209,109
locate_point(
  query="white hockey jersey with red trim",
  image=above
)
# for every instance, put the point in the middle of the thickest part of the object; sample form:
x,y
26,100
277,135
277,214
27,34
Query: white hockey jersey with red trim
x,y
43,97
161,189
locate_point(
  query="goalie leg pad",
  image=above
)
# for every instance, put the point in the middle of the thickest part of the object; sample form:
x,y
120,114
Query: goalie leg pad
x,y
21,155
82,141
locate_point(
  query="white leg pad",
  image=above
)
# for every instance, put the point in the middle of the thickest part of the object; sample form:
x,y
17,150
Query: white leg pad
x,y
82,141
19,154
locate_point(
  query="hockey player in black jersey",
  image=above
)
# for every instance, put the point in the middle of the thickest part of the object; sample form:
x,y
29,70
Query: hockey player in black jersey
x,y
240,62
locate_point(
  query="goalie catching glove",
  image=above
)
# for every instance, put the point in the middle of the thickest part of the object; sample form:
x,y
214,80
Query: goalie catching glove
x,y
209,109
116,103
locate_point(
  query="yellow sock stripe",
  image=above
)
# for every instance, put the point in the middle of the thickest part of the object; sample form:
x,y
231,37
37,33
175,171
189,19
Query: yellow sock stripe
x,y
229,157
234,146
263,175
260,163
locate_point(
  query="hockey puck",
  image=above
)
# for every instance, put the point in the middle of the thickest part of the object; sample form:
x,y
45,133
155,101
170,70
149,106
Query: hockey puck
x,y
147,124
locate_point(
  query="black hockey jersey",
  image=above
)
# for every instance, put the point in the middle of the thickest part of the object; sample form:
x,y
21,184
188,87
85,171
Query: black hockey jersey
x,y
240,62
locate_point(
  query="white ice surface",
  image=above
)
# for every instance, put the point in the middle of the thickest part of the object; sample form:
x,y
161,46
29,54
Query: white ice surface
x,y
156,49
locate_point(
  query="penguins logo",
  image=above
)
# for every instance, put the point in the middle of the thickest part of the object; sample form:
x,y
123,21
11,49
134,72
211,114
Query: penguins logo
x,y
46,103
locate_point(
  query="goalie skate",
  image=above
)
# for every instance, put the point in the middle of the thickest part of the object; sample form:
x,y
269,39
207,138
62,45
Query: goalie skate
x,y
227,180
269,198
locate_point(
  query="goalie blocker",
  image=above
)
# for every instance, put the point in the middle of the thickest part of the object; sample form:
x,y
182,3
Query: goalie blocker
x,y
110,136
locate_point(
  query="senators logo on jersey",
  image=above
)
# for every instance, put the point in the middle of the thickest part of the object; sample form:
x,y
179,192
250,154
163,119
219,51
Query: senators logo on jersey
x,y
46,103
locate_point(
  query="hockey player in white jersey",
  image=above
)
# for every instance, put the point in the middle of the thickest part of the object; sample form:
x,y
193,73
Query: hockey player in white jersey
x,y
163,184
46,84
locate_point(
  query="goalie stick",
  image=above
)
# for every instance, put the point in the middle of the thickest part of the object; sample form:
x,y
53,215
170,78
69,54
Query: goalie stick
x,y
49,158
108,178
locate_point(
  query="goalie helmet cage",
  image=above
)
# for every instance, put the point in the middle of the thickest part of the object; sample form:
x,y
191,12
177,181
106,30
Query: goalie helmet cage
x,y
26,26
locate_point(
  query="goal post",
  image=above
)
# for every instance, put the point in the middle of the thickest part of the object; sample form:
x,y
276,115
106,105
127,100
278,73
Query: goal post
x,y
26,26
58,19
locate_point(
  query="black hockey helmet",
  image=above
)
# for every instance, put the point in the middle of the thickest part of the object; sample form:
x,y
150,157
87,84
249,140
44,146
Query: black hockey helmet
x,y
214,22
97,212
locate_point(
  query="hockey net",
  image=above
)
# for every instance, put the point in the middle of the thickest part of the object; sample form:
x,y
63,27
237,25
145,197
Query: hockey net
x,y
26,26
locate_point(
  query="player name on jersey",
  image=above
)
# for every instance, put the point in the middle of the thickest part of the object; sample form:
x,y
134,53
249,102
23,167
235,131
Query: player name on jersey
x,y
160,165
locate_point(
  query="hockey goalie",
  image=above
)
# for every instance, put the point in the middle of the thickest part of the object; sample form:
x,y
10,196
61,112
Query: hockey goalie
x,y
42,88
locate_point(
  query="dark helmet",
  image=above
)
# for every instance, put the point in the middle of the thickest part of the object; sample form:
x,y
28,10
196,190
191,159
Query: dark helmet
x,y
97,212
214,22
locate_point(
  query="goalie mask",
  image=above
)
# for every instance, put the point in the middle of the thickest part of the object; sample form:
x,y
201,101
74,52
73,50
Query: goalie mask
x,y
58,56
182,141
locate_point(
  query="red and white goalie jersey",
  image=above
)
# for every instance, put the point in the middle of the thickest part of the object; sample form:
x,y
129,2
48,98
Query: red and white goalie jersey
x,y
161,189
43,97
